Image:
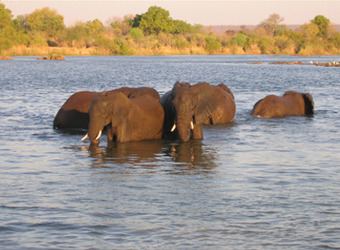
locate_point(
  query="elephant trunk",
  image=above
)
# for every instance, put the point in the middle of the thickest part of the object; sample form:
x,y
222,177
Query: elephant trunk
x,y
184,127
95,131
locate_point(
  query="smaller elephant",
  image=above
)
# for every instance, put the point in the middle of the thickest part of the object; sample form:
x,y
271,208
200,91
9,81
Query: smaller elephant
x,y
74,112
127,119
291,103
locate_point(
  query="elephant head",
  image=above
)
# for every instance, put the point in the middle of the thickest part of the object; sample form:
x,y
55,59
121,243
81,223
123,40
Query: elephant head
x,y
107,109
190,106
126,119
193,106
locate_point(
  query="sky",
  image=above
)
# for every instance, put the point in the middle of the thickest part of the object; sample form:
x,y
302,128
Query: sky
x,y
205,12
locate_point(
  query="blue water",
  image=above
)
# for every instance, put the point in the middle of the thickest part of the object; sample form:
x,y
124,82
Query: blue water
x,y
252,184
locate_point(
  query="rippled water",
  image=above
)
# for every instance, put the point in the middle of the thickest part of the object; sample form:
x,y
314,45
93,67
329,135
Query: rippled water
x,y
255,183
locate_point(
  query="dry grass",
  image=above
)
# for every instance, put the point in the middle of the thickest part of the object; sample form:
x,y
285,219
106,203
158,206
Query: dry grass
x,y
43,51
309,50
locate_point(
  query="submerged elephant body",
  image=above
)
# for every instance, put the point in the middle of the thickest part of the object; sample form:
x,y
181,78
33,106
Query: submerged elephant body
x,y
74,113
187,107
291,103
127,119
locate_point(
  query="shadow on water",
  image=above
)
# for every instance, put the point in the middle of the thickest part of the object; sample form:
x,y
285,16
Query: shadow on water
x,y
191,152
71,131
143,152
171,156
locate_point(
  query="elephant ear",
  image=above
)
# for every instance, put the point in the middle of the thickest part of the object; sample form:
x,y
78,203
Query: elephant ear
x,y
207,101
122,105
100,104
309,104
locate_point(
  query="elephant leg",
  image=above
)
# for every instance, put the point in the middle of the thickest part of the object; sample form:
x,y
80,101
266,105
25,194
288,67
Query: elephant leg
x,y
109,132
197,132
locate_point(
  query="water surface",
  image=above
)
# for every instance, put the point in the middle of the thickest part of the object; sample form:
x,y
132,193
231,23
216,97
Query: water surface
x,y
255,183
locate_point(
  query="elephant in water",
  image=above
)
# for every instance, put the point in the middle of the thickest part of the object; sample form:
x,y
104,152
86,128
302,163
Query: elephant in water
x,y
74,112
188,106
291,103
127,119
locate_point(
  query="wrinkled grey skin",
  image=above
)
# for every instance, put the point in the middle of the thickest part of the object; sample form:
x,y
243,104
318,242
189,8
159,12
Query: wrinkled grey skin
x,y
127,119
189,106
291,103
74,114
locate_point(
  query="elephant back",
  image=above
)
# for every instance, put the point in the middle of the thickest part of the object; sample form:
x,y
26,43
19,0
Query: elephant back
x,y
226,89
136,92
74,112
80,101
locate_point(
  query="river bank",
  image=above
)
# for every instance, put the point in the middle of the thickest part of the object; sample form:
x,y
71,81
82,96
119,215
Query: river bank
x,y
149,51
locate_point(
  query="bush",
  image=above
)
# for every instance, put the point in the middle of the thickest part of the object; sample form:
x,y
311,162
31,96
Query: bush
x,y
264,45
136,34
182,43
282,43
240,39
213,45
120,47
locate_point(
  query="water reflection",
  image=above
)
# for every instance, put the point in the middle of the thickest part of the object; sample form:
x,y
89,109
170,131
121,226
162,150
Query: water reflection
x,y
153,153
143,152
190,152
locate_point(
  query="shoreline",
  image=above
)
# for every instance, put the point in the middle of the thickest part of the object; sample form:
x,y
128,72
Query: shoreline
x,y
162,51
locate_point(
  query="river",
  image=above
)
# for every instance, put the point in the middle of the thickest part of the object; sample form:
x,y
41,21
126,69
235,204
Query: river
x,y
251,184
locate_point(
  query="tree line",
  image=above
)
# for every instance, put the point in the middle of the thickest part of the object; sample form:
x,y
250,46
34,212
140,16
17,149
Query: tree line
x,y
156,33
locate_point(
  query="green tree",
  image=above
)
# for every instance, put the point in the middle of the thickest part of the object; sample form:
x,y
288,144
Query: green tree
x,y
136,21
95,28
239,40
265,44
78,35
309,31
181,27
156,20
136,34
335,40
5,16
121,26
323,25
272,24
46,22
20,22
213,44
282,42
5,28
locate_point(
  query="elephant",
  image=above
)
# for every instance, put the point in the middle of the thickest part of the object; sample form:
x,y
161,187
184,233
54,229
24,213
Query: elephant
x,y
187,107
127,119
74,112
291,103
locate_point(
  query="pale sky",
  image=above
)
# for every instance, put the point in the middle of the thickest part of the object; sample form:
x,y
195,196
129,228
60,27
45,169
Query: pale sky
x,y
215,12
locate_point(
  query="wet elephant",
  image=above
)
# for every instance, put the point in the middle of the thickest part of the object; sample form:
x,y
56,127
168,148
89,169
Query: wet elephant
x,y
291,103
188,106
127,119
74,112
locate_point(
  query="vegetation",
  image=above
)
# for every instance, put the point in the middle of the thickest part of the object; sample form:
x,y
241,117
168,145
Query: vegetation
x,y
43,32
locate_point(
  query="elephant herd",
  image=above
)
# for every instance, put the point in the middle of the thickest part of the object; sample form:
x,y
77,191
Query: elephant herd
x,y
135,114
